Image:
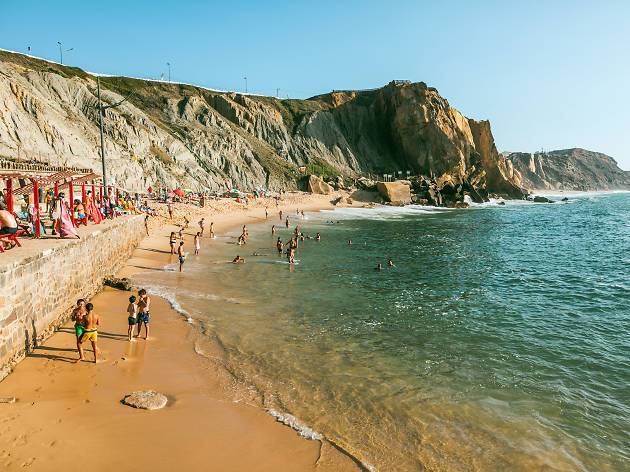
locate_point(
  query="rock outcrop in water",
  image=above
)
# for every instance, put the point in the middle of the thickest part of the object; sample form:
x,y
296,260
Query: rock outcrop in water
x,y
569,169
179,135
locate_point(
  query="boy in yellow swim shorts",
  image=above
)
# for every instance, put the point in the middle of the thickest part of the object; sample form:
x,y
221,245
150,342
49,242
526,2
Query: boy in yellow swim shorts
x,y
90,333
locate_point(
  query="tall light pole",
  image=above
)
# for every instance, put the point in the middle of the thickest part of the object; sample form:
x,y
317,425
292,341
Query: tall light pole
x,y
169,71
61,52
101,114
245,84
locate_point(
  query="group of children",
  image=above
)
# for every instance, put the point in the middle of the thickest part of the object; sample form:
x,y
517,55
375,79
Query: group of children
x,y
86,321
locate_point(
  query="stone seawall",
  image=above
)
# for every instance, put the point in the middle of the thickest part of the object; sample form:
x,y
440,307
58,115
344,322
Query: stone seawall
x,y
38,291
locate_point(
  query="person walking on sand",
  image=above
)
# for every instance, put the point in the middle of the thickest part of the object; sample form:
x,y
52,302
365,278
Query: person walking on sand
x,y
201,225
91,332
169,206
172,242
197,243
280,213
181,255
132,315
286,222
212,230
144,304
146,224
186,222
266,213
78,316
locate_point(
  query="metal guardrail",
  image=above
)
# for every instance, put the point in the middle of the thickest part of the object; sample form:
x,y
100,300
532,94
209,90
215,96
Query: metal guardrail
x,y
38,167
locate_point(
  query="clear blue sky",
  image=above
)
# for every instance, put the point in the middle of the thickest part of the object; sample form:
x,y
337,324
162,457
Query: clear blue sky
x,y
547,74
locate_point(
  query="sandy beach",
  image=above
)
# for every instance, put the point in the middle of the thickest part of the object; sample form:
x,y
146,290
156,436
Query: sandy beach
x,y
68,415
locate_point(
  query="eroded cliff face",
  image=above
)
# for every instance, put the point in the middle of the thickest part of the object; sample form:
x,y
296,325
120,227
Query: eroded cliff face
x,y
178,135
569,169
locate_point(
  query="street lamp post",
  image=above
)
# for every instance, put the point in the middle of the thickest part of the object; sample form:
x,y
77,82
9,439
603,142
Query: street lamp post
x,y
101,115
61,51
245,84
169,71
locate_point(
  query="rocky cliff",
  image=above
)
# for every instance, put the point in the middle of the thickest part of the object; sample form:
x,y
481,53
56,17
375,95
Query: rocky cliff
x,y
173,134
569,169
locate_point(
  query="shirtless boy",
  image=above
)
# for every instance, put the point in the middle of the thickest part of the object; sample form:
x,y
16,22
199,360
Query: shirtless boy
x,y
181,255
144,317
91,331
78,316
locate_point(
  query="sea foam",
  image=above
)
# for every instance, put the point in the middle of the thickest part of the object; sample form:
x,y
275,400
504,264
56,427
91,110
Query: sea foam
x,y
293,423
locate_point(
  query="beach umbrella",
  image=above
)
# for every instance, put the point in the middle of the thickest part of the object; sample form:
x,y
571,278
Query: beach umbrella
x,y
150,189
179,192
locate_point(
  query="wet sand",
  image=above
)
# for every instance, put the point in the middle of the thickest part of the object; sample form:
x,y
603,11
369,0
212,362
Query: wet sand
x,y
68,415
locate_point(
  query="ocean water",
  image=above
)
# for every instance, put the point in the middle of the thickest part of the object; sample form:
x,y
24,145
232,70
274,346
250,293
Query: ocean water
x,y
499,341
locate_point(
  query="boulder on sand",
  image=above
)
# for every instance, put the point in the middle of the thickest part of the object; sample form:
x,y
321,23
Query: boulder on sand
x,y
317,185
145,400
397,192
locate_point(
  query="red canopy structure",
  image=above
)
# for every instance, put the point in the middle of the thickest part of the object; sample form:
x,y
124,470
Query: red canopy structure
x,y
179,192
37,178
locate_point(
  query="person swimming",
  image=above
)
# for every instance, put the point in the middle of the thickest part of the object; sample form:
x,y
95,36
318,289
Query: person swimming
x,y
379,266
390,263
318,237
238,260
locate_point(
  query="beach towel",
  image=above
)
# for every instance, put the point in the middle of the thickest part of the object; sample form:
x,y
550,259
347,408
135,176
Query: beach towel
x,y
65,228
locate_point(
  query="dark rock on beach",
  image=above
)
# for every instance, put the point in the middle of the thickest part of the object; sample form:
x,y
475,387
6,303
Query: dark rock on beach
x,y
120,284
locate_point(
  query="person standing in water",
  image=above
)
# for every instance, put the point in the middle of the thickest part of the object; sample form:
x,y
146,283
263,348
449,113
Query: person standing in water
x,y
181,255
173,240
91,332
197,243
279,246
212,230
273,230
318,237
201,225
280,213
286,223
